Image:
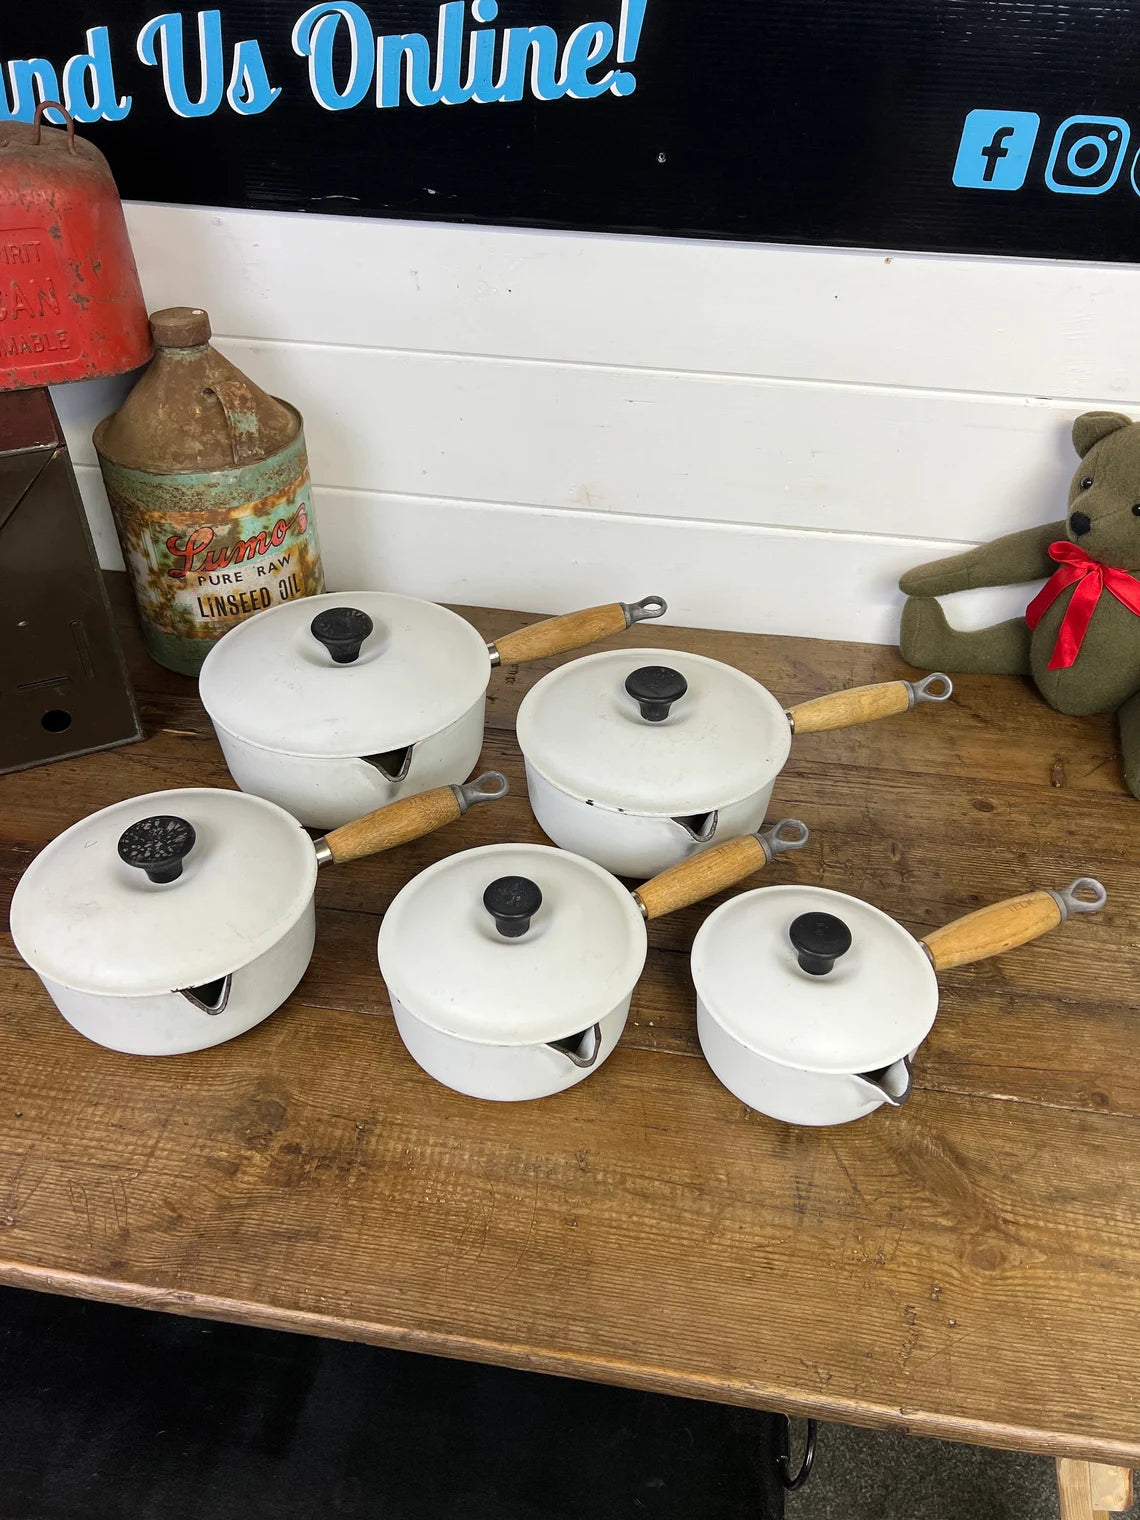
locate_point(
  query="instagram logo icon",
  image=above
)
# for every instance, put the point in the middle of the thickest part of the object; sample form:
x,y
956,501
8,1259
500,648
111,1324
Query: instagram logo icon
x,y
1086,155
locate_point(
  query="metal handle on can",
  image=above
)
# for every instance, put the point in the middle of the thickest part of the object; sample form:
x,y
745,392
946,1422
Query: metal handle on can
x,y
38,118
236,401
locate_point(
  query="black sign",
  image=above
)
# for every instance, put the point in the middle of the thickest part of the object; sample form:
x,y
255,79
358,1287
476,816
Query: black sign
x,y
982,126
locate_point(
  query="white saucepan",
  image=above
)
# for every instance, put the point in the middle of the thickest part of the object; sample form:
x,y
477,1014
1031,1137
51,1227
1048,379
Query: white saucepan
x,y
510,968
639,758
811,1004
334,705
178,920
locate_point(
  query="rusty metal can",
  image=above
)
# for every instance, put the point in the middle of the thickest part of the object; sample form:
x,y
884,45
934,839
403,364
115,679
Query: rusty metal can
x,y
70,303
208,481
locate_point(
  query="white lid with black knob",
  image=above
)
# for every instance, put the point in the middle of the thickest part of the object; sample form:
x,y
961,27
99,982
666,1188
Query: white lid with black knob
x,y
173,889
658,732
512,944
344,675
814,979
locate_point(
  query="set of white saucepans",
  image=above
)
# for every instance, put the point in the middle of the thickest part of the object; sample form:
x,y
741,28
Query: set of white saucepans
x,y
176,921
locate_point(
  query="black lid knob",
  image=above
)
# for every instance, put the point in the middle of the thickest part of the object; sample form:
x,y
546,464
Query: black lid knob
x,y
819,939
655,688
341,630
512,901
157,846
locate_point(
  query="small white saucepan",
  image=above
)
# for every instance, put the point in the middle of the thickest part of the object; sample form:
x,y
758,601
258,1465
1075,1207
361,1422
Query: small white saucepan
x,y
510,968
811,1004
333,705
639,758
177,920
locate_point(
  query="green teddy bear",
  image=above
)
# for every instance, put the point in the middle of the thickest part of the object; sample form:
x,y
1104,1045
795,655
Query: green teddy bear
x,y
1080,636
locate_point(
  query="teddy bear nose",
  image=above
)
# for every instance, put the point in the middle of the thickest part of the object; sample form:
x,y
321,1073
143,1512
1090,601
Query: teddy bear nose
x,y
1080,522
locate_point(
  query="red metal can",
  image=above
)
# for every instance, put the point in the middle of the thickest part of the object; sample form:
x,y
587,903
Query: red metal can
x,y
70,303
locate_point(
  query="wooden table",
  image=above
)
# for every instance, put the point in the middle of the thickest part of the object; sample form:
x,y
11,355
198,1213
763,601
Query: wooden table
x,y
965,1267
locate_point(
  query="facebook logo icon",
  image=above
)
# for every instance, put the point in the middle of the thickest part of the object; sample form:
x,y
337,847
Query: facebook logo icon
x,y
995,149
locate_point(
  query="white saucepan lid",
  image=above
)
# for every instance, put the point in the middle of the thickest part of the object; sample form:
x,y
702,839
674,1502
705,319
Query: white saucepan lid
x,y
443,956
85,918
875,1004
723,738
408,669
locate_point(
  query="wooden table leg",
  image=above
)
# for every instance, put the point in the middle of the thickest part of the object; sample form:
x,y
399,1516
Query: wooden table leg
x,y
1092,1491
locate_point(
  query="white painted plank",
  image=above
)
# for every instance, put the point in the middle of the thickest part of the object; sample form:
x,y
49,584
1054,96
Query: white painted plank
x,y
1022,327
646,443
758,580
99,516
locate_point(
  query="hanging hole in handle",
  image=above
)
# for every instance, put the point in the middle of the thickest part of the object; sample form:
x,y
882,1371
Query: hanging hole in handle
x,y
791,1481
56,720
788,834
1085,895
648,607
488,787
936,687
581,1050
38,119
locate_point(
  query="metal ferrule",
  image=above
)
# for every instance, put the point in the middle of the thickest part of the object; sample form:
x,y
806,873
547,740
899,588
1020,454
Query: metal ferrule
x,y
323,853
493,655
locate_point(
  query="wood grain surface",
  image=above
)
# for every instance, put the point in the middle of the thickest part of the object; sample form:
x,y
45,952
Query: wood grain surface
x,y
967,1266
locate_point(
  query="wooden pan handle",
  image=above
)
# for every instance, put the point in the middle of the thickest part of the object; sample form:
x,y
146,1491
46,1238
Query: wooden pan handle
x,y
723,866
866,704
573,630
1005,925
409,818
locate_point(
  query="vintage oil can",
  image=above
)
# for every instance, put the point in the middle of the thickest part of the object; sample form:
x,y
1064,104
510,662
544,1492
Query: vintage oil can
x,y
208,481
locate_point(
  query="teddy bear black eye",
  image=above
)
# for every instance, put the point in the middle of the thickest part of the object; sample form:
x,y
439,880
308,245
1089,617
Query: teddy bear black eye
x,y
1136,510
1086,482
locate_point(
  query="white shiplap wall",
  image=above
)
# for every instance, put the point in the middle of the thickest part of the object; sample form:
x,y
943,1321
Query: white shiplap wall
x,y
767,436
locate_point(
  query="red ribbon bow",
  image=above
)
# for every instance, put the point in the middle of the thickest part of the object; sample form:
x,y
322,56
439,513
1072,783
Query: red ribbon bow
x,y
1091,579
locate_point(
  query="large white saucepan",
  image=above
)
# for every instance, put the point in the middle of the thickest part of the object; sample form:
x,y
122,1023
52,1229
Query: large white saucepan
x,y
639,758
510,968
177,920
333,705
811,1004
